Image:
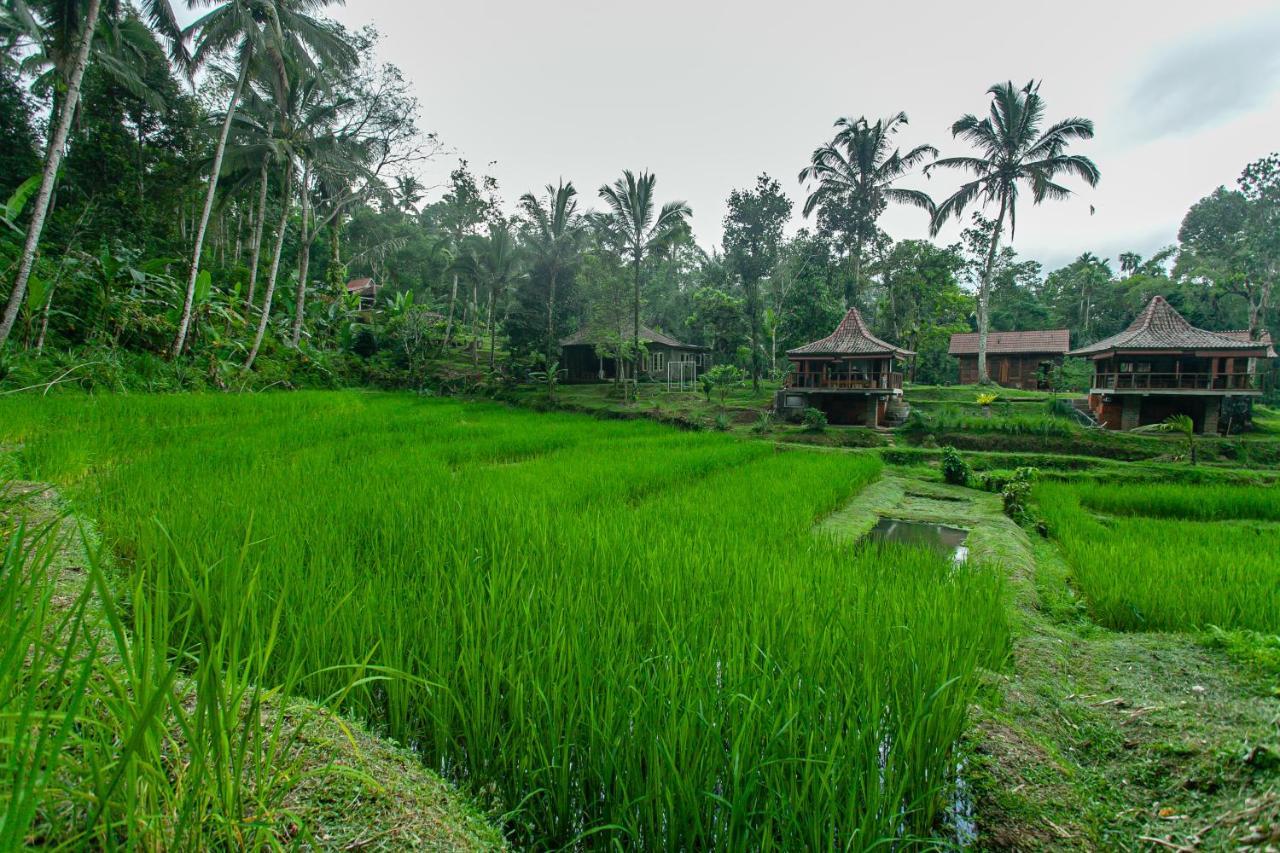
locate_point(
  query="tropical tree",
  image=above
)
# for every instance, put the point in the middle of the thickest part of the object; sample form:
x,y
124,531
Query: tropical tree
x,y
1012,152
497,264
283,32
638,232
854,177
64,33
464,207
555,234
1181,425
752,238
1232,239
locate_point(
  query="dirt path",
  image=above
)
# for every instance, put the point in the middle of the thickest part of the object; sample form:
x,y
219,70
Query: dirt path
x,y
1094,739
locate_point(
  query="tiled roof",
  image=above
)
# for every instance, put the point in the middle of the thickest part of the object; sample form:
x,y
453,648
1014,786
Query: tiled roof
x,y
589,336
1243,335
851,337
1036,341
1159,326
359,284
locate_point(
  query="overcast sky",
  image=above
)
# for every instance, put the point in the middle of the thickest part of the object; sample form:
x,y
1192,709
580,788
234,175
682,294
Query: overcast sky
x,y
710,94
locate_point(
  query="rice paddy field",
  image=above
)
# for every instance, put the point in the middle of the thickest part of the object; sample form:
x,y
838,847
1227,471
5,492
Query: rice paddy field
x,y
1171,557
613,633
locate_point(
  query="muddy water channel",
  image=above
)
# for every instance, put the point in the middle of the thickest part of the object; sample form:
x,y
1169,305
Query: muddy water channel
x,y
946,540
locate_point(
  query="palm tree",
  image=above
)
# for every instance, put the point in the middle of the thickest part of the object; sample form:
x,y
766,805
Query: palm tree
x,y
497,263
255,144
287,145
318,147
64,33
854,176
1180,424
556,232
1012,152
641,234
281,31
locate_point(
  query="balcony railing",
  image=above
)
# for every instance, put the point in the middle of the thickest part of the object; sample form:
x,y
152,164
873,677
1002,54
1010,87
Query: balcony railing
x,y
1176,381
819,381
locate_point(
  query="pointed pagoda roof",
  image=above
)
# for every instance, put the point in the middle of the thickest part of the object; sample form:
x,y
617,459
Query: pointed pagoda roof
x,y
1160,327
851,337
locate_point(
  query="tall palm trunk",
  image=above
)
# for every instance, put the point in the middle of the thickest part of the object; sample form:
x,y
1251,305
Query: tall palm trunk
x,y
551,315
285,204
259,221
184,323
753,315
493,338
475,322
53,158
453,301
984,294
851,296
304,258
335,255
635,316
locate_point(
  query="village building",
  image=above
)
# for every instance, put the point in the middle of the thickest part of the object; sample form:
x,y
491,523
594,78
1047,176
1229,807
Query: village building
x,y
663,356
848,375
366,289
1162,365
1014,359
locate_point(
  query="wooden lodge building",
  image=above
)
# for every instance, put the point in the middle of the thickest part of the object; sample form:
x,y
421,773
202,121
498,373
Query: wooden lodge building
x,y
849,375
581,363
366,289
1014,359
1162,365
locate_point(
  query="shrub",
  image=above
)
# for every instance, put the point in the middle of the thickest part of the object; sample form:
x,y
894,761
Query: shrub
x,y
954,469
721,422
722,377
815,420
763,424
1016,493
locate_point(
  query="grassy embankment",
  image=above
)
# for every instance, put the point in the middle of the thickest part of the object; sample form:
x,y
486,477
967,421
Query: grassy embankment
x,y
615,632
1099,739
109,740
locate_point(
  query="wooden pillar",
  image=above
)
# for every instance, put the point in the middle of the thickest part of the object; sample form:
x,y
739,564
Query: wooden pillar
x,y
1129,414
1212,408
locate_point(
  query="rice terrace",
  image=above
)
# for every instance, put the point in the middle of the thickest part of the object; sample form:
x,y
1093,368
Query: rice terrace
x,y
385,465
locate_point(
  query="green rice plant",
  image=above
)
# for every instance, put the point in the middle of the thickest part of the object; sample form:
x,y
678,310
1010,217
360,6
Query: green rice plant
x,y
625,634
1207,502
1165,573
107,739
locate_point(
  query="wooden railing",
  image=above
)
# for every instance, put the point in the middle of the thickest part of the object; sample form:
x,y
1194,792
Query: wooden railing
x,y
1176,381
880,382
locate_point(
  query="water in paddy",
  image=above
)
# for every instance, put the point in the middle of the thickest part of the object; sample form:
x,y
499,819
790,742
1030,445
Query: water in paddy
x,y
941,538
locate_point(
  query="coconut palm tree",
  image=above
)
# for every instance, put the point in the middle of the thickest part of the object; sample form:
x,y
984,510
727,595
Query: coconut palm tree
x,y
638,231
319,148
556,232
1013,152
63,33
854,176
497,263
282,32
1179,424
287,145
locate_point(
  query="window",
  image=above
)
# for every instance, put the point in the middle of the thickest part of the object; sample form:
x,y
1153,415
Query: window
x,y
657,361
